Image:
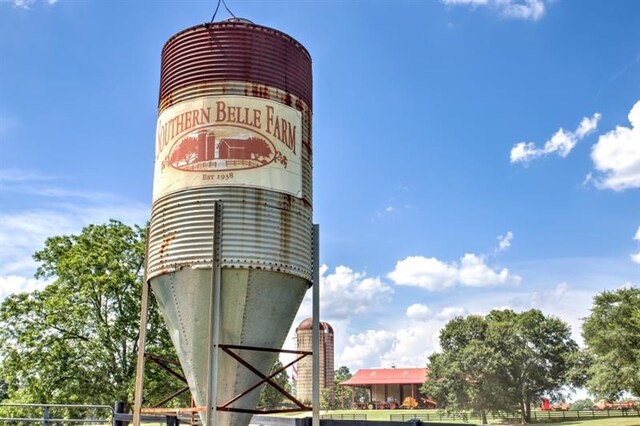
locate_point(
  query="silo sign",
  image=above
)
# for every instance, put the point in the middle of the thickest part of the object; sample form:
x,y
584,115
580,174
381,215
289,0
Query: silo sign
x,y
231,141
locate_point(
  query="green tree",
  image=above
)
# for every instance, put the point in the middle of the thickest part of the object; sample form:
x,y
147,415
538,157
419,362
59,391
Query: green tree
x,y
75,341
502,362
582,404
342,394
270,396
612,335
3,390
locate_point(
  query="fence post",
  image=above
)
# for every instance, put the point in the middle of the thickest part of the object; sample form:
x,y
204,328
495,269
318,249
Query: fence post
x,y
118,409
45,416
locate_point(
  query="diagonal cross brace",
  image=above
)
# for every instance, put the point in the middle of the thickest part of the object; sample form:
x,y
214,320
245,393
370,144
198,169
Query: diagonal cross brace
x,y
164,364
170,397
265,379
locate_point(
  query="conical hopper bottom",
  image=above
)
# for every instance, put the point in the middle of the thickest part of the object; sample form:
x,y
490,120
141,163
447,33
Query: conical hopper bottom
x,y
256,309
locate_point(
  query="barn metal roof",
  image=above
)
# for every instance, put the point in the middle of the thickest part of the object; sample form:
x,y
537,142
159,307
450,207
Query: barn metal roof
x,y
387,376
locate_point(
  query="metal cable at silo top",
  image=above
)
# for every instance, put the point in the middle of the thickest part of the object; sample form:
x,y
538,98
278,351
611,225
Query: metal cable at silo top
x,y
218,6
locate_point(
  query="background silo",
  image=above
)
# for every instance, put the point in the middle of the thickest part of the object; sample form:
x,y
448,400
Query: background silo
x,y
304,342
232,200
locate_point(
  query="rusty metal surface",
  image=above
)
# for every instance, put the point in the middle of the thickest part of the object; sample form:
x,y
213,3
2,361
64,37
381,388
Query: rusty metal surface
x,y
236,51
257,310
265,236
176,411
239,88
261,229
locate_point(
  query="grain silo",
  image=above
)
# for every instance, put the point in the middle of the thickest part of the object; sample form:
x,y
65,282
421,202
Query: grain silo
x,y
304,342
230,243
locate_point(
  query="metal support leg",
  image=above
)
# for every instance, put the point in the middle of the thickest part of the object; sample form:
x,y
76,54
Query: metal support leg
x,y
142,342
214,318
315,382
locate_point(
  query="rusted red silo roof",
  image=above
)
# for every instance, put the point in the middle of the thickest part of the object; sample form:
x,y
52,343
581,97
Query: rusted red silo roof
x,y
308,325
236,50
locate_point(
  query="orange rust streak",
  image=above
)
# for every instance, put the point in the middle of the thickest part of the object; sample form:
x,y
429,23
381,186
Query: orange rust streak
x,y
201,409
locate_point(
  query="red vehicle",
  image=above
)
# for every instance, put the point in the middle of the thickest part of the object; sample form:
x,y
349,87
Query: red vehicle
x,y
382,405
560,406
621,405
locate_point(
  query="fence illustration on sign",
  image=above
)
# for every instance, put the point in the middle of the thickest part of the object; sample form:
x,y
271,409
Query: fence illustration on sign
x,y
204,150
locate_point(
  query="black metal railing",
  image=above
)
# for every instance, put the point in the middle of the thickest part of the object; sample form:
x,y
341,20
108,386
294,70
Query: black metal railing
x,y
52,414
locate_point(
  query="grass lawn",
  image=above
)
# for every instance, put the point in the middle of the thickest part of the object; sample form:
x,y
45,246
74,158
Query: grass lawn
x,y
620,421
434,415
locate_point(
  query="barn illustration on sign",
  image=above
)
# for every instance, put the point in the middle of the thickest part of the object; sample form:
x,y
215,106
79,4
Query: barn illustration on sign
x,y
201,151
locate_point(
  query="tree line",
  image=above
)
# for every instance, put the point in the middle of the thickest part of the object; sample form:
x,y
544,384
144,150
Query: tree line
x,y
508,362
75,340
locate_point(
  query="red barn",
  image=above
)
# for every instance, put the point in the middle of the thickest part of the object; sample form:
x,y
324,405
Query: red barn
x,y
244,149
390,386
194,149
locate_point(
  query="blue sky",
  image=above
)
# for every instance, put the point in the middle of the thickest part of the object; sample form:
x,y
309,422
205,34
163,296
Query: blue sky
x,y
469,154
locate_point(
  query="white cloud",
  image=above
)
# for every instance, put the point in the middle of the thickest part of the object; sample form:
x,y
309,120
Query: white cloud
x,y
344,292
635,257
524,9
23,4
406,342
562,142
562,301
418,311
475,273
467,2
363,349
16,284
23,232
433,274
616,156
504,241
412,344
428,273
59,211
404,330
588,125
530,9
450,312
26,4
17,175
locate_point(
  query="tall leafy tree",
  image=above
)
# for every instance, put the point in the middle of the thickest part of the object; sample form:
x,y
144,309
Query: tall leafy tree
x,y
612,335
75,341
342,395
3,390
582,404
502,362
270,396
